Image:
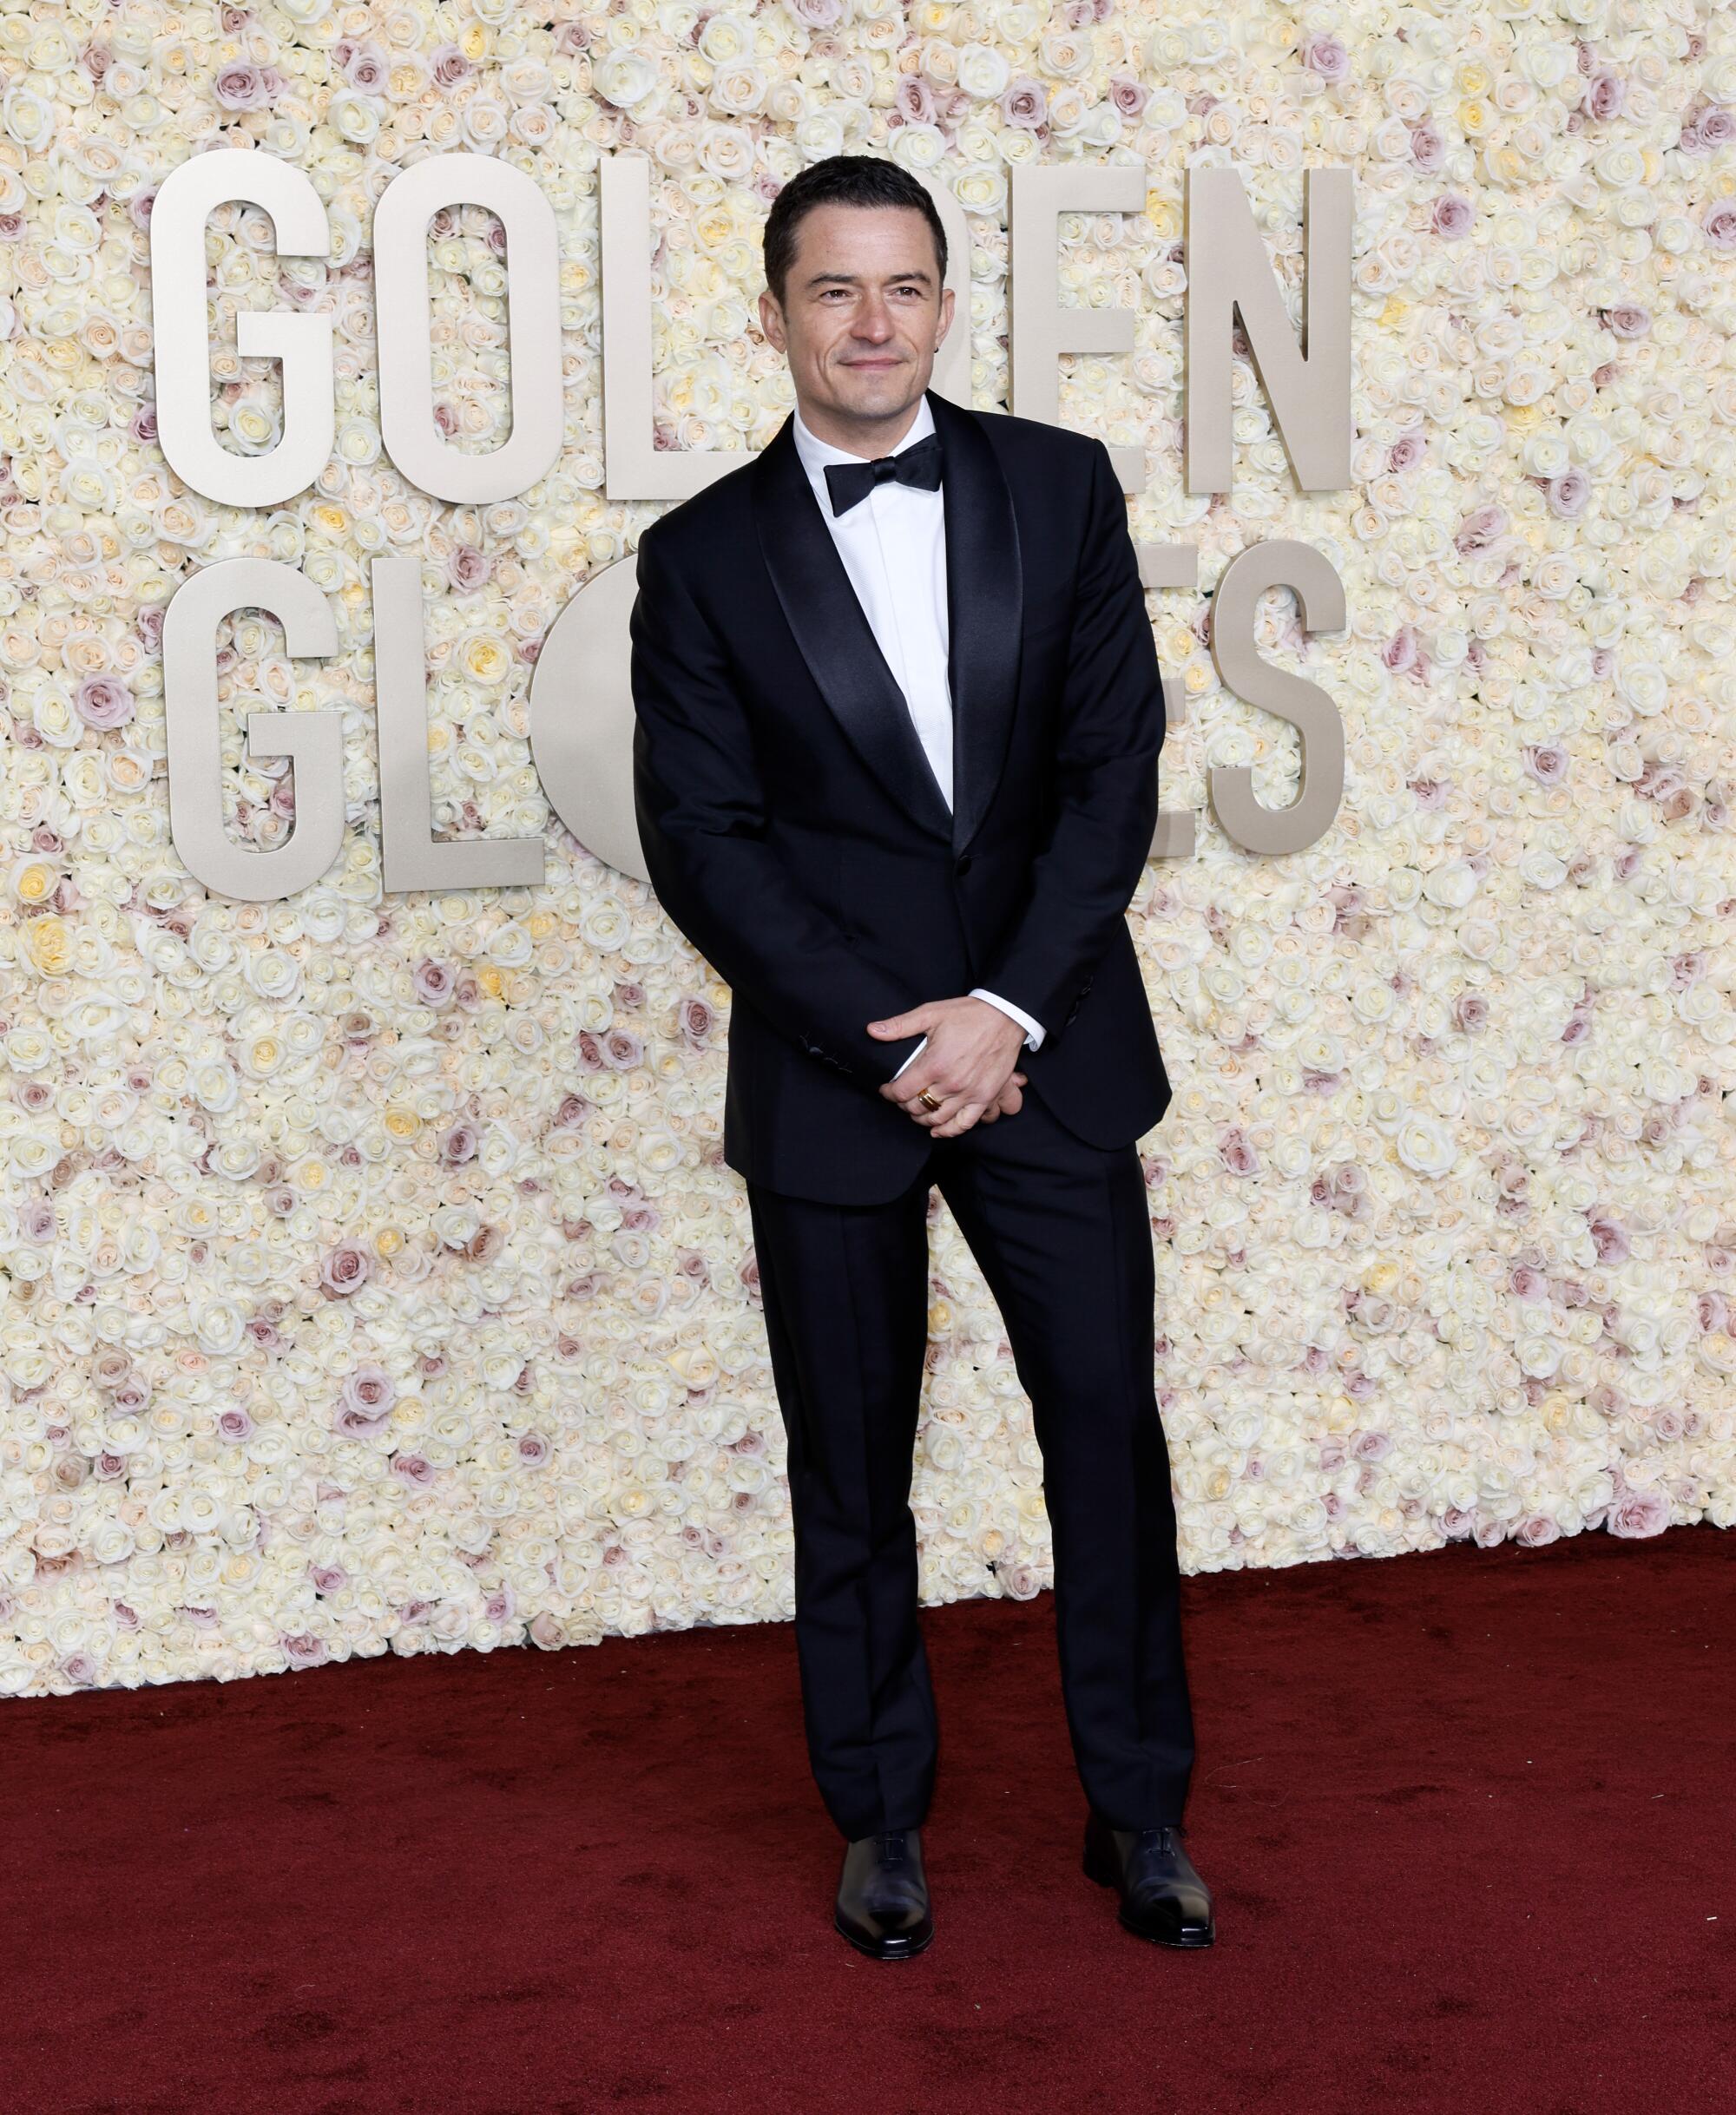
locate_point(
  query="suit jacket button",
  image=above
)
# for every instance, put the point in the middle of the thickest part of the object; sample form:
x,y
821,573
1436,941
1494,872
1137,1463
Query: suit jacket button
x,y
961,864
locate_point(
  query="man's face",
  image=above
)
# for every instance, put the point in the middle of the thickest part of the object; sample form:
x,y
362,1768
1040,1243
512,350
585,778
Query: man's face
x,y
863,313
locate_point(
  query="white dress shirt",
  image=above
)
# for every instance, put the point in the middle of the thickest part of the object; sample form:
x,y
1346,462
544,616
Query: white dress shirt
x,y
893,545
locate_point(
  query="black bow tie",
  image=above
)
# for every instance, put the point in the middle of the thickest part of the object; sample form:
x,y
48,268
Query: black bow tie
x,y
919,464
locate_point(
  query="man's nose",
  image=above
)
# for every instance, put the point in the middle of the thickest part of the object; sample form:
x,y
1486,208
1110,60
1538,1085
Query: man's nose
x,y
873,320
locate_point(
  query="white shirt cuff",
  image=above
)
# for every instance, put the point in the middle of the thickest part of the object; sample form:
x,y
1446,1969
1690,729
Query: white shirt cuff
x,y
1034,1030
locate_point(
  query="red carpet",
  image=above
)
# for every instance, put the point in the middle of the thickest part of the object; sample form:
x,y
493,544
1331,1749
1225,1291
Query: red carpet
x,y
1468,1815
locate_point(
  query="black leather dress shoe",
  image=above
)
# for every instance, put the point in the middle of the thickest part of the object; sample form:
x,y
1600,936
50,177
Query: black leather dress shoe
x,y
1162,1897
882,1906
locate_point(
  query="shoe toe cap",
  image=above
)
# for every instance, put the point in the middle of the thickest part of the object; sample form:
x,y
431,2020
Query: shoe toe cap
x,y
1180,1918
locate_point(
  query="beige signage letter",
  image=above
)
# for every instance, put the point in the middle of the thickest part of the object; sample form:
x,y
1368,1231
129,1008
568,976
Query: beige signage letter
x,y
581,717
411,857
1039,329
181,350
1320,601
419,450
1308,385
314,740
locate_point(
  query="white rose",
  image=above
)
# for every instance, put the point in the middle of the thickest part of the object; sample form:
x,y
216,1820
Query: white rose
x,y
624,78
983,72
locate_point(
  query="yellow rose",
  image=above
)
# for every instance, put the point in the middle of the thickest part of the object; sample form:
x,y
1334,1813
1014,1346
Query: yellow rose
x,y
49,945
485,657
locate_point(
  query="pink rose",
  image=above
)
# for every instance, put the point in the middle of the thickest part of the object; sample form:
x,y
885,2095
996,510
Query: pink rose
x,y
1480,527
914,100
1719,222
1399,653
1452,216
467,568
365,1400
345,1269
1326,56
1605,95
103,702
1428,149
1568,494
242,85
1638,1513
365,69
1025,103
1236,1154
432,982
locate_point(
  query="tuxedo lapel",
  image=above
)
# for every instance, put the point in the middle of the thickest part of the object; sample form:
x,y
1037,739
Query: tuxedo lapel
x,y
984,600
985,606
835,637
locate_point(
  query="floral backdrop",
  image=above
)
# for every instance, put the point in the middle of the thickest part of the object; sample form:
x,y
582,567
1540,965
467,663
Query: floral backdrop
x,y
373,1278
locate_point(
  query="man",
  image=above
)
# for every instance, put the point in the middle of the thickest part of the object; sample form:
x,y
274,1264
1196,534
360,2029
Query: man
x,y
898,717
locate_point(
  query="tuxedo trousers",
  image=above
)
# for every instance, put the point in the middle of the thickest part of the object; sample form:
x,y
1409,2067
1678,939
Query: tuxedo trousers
x,y
1061,1232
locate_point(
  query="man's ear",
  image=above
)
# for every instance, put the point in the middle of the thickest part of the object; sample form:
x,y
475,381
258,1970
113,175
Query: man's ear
x,y
772,319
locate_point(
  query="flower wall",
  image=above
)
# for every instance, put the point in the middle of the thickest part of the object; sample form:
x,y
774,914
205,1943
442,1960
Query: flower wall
x,y
372,1277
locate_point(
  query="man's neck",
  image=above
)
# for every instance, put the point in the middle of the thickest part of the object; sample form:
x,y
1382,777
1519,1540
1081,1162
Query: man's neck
x,y
859,437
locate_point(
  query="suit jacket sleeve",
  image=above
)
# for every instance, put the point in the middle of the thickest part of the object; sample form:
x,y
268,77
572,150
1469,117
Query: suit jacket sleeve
x,y
702,827
1111,727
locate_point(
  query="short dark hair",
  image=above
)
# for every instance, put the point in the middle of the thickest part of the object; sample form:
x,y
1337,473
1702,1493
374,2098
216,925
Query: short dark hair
x,y
842,180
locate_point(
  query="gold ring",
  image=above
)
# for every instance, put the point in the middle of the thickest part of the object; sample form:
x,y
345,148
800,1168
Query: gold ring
x,y
927,1099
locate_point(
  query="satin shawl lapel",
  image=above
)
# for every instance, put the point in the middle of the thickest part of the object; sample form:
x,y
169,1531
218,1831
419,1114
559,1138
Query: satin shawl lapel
x,y
835,637
984,605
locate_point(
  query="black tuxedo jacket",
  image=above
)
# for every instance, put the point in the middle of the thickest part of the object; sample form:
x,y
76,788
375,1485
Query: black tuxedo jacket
x,y
795,831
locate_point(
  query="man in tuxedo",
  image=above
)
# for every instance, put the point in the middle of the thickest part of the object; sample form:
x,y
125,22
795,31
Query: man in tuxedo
x,y
898,717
